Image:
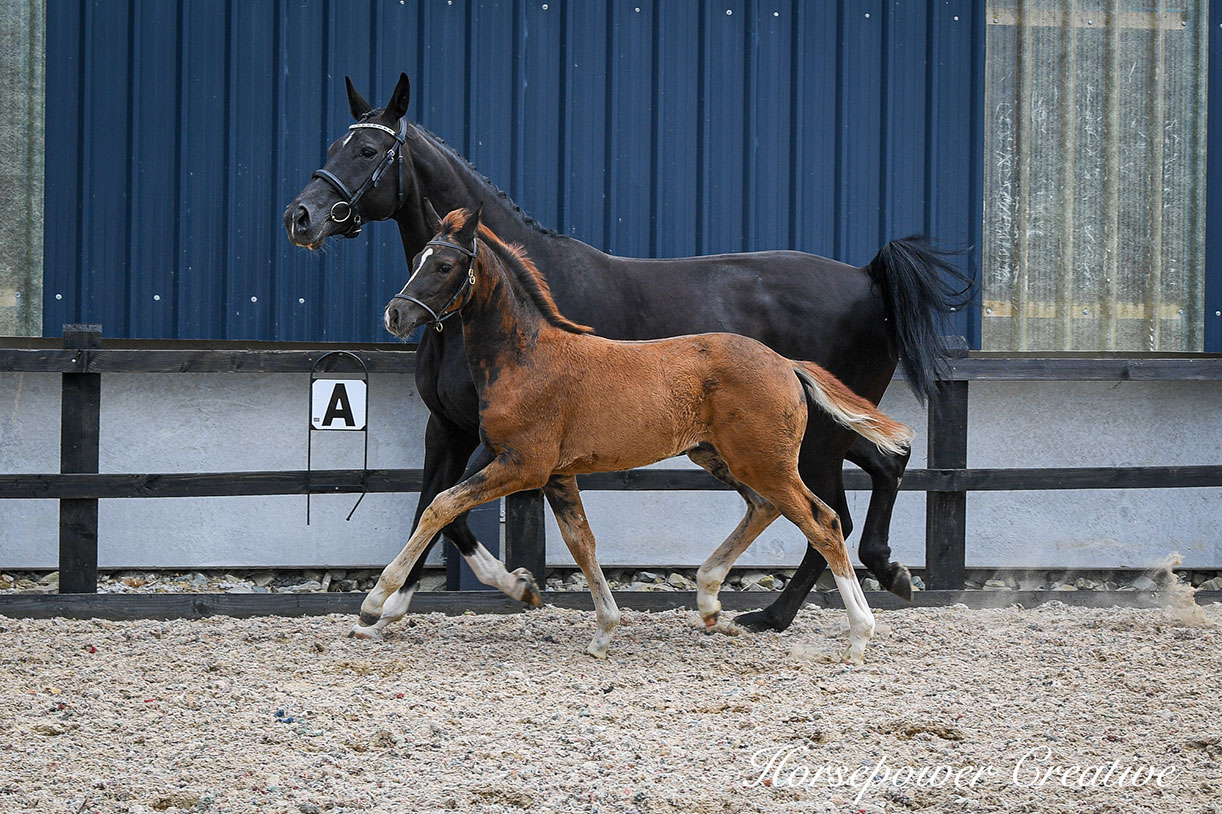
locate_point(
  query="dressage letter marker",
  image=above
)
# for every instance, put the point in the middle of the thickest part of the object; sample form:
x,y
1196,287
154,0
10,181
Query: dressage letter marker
x,y
337,404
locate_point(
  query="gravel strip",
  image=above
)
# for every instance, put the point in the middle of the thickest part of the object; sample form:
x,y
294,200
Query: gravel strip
x,y
505,714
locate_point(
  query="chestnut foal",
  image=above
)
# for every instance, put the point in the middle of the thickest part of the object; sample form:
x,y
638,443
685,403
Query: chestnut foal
x,y
556,402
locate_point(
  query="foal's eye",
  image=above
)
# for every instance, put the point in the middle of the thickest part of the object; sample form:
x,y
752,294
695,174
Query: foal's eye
x,y
368,152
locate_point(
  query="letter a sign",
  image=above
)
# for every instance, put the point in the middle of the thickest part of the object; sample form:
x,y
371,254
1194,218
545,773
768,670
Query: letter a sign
x,y
337,404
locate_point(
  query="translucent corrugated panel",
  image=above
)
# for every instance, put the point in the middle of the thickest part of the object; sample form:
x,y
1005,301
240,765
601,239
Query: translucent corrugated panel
x,y
1095,175
22,27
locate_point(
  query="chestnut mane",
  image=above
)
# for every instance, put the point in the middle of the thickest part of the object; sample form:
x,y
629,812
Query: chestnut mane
x,y
522,271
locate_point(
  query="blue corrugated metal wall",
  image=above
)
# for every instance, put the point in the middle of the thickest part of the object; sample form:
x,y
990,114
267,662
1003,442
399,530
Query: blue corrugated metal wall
x,y
177,132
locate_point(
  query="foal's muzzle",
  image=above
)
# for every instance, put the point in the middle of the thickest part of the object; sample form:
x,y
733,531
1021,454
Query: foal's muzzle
x,y
402,317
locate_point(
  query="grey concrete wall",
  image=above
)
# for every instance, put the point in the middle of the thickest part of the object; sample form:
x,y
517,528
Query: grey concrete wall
x,y
231,422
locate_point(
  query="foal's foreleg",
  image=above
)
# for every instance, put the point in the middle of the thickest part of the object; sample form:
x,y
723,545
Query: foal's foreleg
x,y
565,500
760,514
496,480
446,450
519,583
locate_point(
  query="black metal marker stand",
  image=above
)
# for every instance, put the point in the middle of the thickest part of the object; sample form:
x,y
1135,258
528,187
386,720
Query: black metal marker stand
x,y
362,374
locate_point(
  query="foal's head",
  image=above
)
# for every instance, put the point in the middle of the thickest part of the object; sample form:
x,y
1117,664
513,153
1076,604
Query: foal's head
x,y
442,274
365,177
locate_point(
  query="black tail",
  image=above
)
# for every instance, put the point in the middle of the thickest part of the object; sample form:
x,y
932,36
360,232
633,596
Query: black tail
x,y
919,286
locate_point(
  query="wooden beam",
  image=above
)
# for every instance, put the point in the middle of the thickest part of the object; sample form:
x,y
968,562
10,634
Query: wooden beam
x,y
946,511
80,423
195,606
338,481
985,367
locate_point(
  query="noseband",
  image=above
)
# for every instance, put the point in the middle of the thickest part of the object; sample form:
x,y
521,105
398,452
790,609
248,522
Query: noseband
x,y
345,211
440,316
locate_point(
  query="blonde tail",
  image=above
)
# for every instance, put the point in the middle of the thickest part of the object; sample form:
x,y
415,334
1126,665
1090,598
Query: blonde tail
x,y
851,410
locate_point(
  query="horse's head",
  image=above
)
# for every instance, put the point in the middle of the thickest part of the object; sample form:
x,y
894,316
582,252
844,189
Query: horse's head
x,y
364,177
442,274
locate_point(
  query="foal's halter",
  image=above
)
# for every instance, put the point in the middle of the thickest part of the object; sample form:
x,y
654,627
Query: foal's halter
x,y
345,211
439,316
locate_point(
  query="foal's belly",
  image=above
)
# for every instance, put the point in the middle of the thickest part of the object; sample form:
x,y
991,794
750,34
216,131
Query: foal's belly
x,y
629,447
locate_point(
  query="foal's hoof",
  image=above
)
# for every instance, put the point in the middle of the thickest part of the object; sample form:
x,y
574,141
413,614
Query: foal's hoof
x,y
759,621
527,590
900,583
597,652
360,631
710,621
851,657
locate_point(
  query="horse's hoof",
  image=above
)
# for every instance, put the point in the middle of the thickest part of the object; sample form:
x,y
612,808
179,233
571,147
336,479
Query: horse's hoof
x,y
528,591
850,657
368,633
901,581
710,621
759,621
596,652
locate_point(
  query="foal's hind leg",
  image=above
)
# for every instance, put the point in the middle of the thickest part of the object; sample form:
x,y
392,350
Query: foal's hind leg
x,y
565,500
822,528
760,514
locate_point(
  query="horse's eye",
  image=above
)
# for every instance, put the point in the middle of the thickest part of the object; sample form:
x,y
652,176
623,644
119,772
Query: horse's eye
x,y
444,268
368,152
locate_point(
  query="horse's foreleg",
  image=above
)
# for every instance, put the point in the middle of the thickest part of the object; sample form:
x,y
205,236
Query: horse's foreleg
x,y
760,514
496,480
885,471
565,501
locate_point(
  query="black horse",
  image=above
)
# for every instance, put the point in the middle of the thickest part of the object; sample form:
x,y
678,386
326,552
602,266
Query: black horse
x,y
855,322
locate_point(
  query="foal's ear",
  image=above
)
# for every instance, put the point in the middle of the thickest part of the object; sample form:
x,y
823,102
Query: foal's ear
x,y
471,228
397,105
431,218
356,102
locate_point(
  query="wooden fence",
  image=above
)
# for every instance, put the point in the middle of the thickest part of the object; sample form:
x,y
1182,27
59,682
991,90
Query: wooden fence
x,y
83,360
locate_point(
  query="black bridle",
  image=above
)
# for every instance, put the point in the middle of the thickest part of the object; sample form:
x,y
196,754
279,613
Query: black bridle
x,y
394,155
438,317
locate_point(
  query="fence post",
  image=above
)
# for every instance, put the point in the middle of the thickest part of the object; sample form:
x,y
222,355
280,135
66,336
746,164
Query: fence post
x,y
80,412
525,541
946,512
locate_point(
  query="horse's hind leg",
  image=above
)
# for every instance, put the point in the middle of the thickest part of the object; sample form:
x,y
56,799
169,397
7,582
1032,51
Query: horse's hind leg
x,y
760,514
565,500
885,471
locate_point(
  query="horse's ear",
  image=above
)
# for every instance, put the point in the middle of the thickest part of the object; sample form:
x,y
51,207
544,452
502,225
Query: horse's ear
x,y
431,218
356,102
397,105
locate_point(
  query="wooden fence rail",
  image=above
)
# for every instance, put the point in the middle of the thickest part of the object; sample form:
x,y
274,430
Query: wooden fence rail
x,y
78,486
